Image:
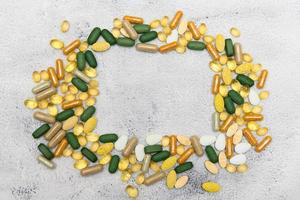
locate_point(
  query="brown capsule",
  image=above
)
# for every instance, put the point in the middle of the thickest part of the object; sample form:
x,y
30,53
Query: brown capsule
x,y
91,170
229,147
168,47
195,32
146,164
71,104
53,77
44,117
253,117
227,123
238,54
249,136
216,84
133,19
57,138
263,144
262,79
53,130
212,51
154,178
175,21
173,145
131,144
41,87
130,30
151,48
60,71
71,47
61,147
196,145
45,94
185,155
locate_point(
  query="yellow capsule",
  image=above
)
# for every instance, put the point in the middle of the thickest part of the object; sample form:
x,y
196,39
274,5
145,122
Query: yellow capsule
x,y
226,76
63,88
125,176
71,57
180,49
167,30
78,129
101,46
30,103
70,67
171,179
82,140
136,167
154,167
65,26
247,107
182,42
223,90
235,32
132,159
116,32
132,191
140,179
67,152
247,58
77,155
78,110
123,164
56,44
164,21
257,109
169,163
240,121
105,159
242,168
92,137
83,46
155,24
211,186
264,95
165,140
44,75
105,148
68,77
231,64
253,126
36,77
253,76
90,101
188,35
180,149
124,33
208,38
215,66
43,104
256,68
223,116
83,96
223,59
219,103
52,109
244,92
117,23
72,89
162,37
244,68
93,84
56,99
93,91
238,111
262,131
231,168
80,164
90,72
220,43
235,85
69,97
202,28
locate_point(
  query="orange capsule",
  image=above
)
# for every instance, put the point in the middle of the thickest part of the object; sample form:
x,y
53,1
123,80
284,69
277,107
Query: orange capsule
x,y
71,47
253,117
175,21
263,144
60,71
167,47
173,145
262,79
212,51
185,155
195,32
216,83
134,19
53,77
229,147
227,123
249,136
71,104
61,147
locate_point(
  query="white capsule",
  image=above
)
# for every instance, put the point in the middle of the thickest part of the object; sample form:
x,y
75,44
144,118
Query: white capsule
x,y
120,144
153,139
238,159
242,147
253,97
216,121
139,152
207,140
220,142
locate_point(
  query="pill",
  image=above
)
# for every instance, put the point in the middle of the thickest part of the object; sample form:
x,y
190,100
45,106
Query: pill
x,y
212,51
211,167
151,48
154,178
102,46
216,121
81,62
44,117
183,167
108,37
233,128
193,29
263,144
45,151
45,94
64,115
94,35
220,142
146,164
147,37
220,42
253,97
184,140
139,152
211,154
141,28
87,113
82,76
125,42
196,145
238,54
72,140
105,148
169,163
196,45
242,147
253,117
113,164
238,159
130,146
229,106
56,138
249,136
91,170
236,97
90,125
56,43
182,27
160,156
41,87
46,162
229,120
60,71
110,137
207,140
40,131
216,83
89,154
173,145
176,19
186,154
71,104
61,147
229,48
222,159
152,148
181,182
80,84
54,129
171,179
211,186
262,79
245,80
90,59
237,137
121,142
168,47
71,47
133,19
229,147
130,30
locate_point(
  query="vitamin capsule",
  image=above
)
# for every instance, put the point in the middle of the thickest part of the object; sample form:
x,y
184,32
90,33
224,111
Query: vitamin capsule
x,y
89,154
151,48
56,138
87,113
229,48
106,138
196,45
176,19
141,28
125,42
220,42
130,146
196,145
173,145
113,164
216,83
41,87
245,80
46,162
238,54
71,47
253,117
45,94
90,59
146,164
147,37
72,140
94,36
236,97
216,121
262,79
64,115
130,30
183,167
229,106
211,154
195,32
45,151
71,104
60,71
91,170
152,148
160,156
80,84
211,186
56,43
43,117
133,19
54,129
212,51
40,131
229,120
82,76
263,144
249,136
154,178
168,47
108,37
61,147
229,147
80,58
185,155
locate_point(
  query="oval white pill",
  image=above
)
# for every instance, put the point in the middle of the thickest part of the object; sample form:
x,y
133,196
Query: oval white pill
x,y
220,142
121,142
238,159
253,97
139,152
242,147
207,140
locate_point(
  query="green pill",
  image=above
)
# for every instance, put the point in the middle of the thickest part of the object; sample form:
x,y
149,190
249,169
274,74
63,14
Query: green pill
x,y
160,156
141,28
211,154
72,140
64,115
87,113
195,45
183,167
41,131
146,37
229,48
89,154
80,57
152,148
110,137
125,42
245,80
94,36
113,164
90,58
79,84
229,106
236,97
47,153
108,37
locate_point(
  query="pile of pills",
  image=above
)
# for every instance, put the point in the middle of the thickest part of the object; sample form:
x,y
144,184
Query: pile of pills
x,y
67,94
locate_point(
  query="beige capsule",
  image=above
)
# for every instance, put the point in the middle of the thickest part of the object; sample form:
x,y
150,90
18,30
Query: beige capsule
x,y
57,138
70,123
41,87
151,48
146,164
130,30
211,167
91,170
154,178
181,182
46,162
238,54
130,146
53,130
45,94
44,117
196,145
216,121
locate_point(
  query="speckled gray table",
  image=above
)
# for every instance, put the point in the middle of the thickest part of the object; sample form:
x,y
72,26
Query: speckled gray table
x,y
157,93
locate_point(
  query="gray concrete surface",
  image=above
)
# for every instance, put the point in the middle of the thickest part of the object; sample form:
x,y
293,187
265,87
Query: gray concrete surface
x,y
157,93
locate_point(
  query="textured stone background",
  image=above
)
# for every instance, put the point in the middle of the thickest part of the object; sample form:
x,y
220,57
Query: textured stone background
x,y
157,93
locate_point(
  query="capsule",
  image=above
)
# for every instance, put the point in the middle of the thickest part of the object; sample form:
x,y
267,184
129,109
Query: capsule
x,y
168,47
245,80
253,117
196,145
212,51
195,45
41,87
211,154
142,28
44,117
176,19
71,47
146,164
152,148
60,148
229,106
130,146
64,115
45,94
216,83
91,170
80,84
80,58
154,178
89,154
47,153
185,155
238,54
113,164
71,104
56,138
229,147
46,162
90,59
229,50
133,19
125,42
147,37
151,48
160,156
236,97
72,140
54,129
108,138
53,77
40,131
173,145
60,71
82,76
249,136
263,144
195,32
216,121
183,167
94,35
87,113
227,123
108,37
262,79
130,30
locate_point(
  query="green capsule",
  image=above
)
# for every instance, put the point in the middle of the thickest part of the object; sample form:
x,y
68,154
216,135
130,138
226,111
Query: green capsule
x,y
47,153
41,131
64,115
89,154
160,156
211,154
125,42
90,58
146,37
236,97
110,137
113,164
141,28
80,57
108,37
87,113
152,148
229,48
196,45
94,35
245,80
229,106
72,140
183,167
79,84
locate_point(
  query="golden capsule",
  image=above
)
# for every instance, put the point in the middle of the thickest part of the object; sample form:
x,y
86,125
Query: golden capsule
x,y
262,79
53,77
176,19
173,145
71,47
133,19
195,32
71,104
253,117
227,123
72,89
60,148
56,44
212,51
263,144
185,155
253,126
249,136
65,26
229,147
216,83
105,159
56,99
168,47
60,71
